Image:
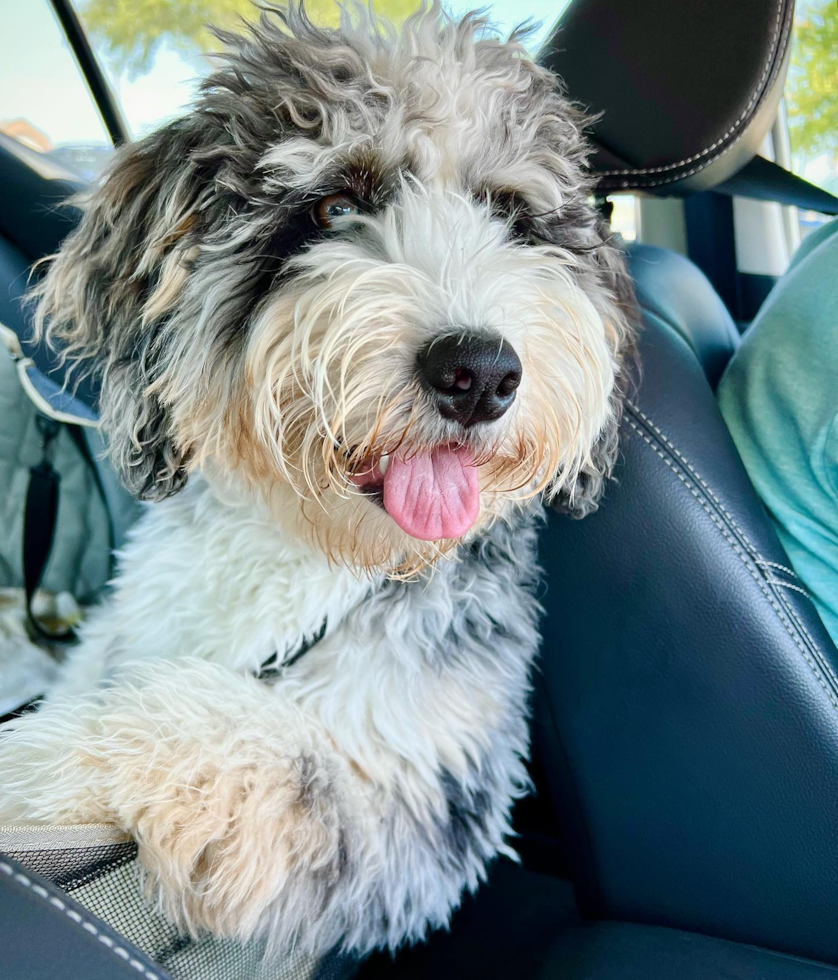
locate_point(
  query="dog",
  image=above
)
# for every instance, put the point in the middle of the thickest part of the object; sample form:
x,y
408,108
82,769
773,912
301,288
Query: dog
x,y
355,317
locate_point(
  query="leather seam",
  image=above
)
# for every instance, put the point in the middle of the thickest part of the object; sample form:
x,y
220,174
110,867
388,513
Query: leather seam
x,y
788,585
744,557
793,613
754,552
79,920
771,62
774,564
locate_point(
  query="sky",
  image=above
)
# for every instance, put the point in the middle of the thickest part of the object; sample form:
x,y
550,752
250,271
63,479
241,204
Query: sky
x,y
40,81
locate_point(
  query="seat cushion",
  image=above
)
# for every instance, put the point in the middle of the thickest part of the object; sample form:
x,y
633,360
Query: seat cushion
x,y
502,932
619,951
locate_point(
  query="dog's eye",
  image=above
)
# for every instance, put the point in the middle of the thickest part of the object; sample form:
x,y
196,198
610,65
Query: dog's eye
x,y
522,228
329,209
508,207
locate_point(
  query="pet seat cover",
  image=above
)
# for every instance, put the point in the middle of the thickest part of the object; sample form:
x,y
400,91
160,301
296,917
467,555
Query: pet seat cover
x,y
93,871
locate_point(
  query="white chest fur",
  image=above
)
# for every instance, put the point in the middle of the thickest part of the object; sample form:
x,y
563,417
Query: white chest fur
x,y
217,579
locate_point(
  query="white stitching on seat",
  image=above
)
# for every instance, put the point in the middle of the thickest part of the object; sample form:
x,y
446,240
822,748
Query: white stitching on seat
x,y
754,551
755,555
683,174
788,585
769,63
773,564
744,557
793,613
7,869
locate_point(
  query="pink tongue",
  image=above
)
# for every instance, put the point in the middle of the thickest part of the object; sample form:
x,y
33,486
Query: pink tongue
x,y
433,496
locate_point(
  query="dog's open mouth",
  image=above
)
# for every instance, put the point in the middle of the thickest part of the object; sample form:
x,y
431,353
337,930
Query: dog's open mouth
x,y
430,495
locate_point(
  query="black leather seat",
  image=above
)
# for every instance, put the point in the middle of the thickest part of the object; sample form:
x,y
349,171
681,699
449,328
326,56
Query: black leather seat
x,y
34,218
687,709
617,951
688,702
49,936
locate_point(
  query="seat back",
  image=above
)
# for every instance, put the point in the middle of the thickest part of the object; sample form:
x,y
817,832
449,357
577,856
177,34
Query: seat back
x,y
675,297
687,709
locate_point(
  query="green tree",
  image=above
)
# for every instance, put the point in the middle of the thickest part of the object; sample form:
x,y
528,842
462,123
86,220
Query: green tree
x,y
131,31
812,88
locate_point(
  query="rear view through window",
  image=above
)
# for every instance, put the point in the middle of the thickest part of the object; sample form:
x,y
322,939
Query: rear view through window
x,y
812,98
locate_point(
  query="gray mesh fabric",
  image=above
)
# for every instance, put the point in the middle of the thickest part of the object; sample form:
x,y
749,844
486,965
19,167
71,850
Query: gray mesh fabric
x,y
98,867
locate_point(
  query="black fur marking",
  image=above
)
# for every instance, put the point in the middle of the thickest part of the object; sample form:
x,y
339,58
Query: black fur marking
x,y
273,666
467,814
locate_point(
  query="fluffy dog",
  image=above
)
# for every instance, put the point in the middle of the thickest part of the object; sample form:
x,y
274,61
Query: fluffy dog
x,y
354,316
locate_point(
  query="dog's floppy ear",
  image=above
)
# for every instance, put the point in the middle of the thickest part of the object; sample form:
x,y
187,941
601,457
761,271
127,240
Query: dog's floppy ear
x,y
108,291
618,308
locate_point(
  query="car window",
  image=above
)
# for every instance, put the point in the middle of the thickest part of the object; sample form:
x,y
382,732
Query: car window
x,y
624,216
155,52
45,104
811,98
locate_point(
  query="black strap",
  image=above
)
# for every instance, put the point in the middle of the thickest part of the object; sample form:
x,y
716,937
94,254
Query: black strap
x,y
78,437
763,180
766,181
24,709
39,520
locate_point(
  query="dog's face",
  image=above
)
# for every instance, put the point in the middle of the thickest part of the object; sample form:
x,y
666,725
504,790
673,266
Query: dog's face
x,y
363,266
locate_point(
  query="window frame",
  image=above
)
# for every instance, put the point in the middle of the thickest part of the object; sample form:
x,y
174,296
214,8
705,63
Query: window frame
x,y
91,70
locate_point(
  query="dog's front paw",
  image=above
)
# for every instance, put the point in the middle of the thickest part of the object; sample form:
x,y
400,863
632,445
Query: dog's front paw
x,y
242,842
230,794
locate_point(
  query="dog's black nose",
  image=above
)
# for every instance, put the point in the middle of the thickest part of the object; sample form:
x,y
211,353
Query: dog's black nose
x,y
471,377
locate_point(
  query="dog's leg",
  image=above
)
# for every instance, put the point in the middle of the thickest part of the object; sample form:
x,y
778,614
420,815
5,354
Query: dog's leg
x,y
354,800
251,819
236,798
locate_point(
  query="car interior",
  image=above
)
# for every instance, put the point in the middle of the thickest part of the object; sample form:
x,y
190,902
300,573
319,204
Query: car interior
x,y
685,710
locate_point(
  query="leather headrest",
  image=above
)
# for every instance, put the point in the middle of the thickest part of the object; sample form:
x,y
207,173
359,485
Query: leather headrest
x,y
687,89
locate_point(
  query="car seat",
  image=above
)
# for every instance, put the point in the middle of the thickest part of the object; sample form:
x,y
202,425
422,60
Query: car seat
x,y
685,723
688,702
